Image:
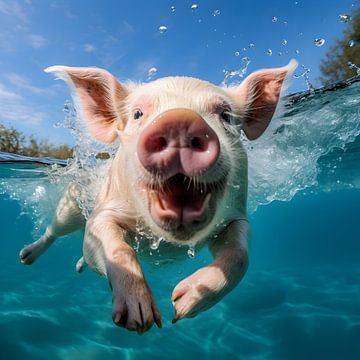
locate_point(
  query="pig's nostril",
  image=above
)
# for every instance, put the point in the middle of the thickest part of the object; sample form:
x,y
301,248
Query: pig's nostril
x,y
159,144
197,143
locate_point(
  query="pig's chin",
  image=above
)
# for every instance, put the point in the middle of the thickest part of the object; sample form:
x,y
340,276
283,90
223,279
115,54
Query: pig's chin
x,y
182,206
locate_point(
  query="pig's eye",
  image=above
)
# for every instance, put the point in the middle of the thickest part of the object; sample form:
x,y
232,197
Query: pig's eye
x,y
226,116
138,114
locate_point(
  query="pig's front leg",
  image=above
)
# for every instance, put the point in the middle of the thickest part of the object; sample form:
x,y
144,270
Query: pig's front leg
x,y
106,251
208,285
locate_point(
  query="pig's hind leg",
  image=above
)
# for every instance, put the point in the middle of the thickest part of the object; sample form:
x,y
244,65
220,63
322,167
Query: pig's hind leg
x,y
67,219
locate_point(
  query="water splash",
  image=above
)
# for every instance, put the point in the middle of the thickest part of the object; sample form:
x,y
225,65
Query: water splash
x,y
293,153
229,74
305,75
155,242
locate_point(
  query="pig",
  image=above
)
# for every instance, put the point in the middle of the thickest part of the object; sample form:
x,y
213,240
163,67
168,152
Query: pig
x,y
180,171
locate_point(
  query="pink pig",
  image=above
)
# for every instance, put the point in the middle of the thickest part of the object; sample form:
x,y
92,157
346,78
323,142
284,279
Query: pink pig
x,y
180,171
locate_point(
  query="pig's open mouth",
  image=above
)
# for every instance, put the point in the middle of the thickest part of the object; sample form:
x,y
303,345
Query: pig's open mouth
x,y
182,202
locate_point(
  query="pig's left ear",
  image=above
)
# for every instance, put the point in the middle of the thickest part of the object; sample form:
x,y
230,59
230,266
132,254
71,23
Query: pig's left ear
x,y
99,95
258,95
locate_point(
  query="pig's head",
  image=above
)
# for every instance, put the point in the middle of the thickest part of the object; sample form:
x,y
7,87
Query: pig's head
x,y
180,155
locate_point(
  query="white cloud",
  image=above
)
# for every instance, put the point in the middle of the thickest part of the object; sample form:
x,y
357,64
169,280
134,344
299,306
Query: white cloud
x,y
14,109
14,9
6,94
22,82
37,41
89,48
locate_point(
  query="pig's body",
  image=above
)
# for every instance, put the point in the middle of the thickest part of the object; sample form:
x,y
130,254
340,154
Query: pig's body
x,y
180,174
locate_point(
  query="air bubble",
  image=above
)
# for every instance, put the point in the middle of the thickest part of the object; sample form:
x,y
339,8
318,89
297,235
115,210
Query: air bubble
x,y
251,45
172,8
216,13
274,19
351,43
284,42
269,52
237,53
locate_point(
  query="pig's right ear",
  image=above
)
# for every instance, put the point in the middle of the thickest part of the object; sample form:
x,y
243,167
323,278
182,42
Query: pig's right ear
x,y
99,95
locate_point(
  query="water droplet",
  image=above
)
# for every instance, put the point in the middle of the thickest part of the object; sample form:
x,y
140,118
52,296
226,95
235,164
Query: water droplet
x,y
237,53
319,42
274,19
155,242
216,12
269,52
251,45
280,53
151,72
353,66
243,49
191,251
172,8
199,21
297,51
351,43
194,7
344,18
284,42
162,29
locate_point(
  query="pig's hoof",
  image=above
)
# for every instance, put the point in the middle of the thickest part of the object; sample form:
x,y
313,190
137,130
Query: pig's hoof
x,y
80,265
31,252
134,306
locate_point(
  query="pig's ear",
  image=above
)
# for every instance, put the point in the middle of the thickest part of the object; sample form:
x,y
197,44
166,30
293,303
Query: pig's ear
x,y
99,95
258,95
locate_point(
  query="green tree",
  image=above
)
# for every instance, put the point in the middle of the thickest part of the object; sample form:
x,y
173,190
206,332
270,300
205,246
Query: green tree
x,y
11,140
14,141
335,66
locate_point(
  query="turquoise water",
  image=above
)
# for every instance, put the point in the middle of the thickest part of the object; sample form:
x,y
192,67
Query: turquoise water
x,y
299,300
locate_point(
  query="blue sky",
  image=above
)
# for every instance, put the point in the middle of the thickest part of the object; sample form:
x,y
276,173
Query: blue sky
x,y
123,37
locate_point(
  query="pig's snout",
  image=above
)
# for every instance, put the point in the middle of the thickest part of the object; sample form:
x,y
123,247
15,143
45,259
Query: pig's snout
x,y
178,141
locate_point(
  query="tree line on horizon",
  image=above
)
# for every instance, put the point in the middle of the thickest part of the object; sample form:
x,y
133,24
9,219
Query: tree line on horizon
x,y
14,141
